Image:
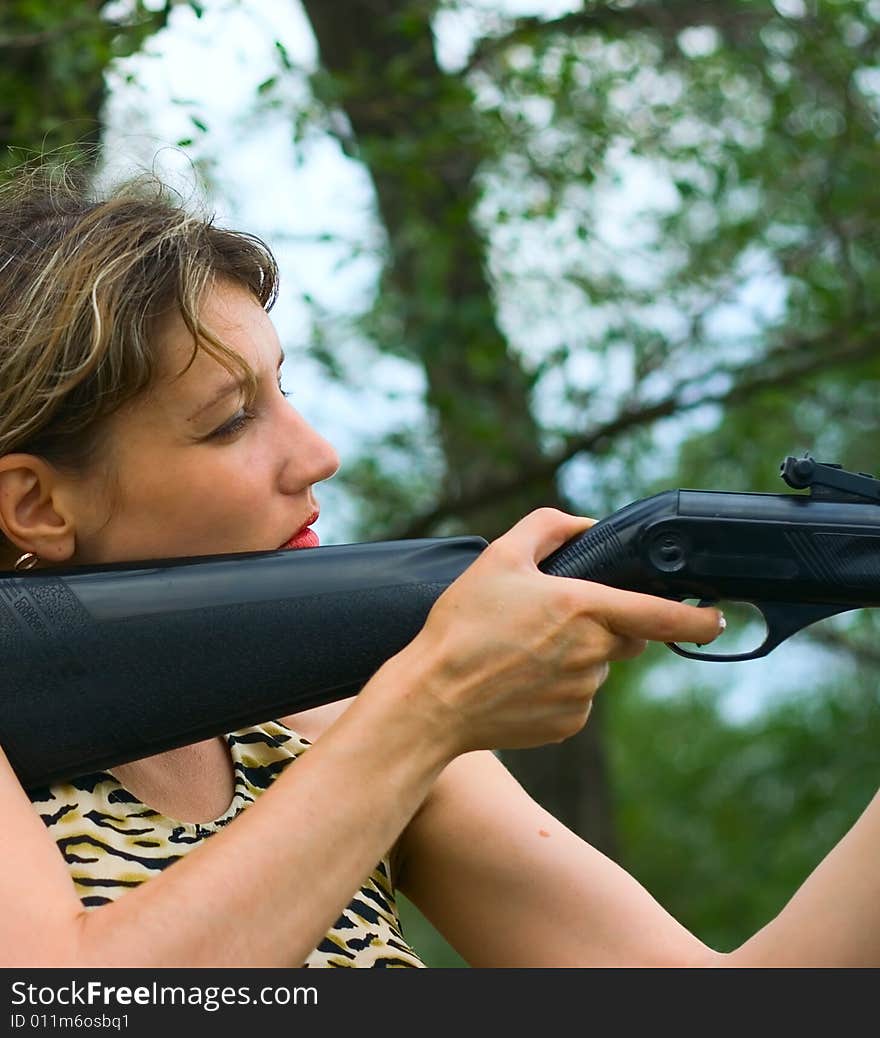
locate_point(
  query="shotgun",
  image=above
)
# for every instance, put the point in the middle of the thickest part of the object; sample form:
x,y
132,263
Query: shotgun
x,y
102,665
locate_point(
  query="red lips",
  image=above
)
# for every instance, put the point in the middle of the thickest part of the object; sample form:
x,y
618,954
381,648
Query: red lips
x,y
306,537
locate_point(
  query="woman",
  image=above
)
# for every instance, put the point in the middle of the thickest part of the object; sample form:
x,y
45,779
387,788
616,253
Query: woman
x,y
141,417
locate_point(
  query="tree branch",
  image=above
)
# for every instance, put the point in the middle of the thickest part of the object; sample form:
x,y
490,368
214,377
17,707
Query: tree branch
x,y
829,350
661,16
864,655
29,41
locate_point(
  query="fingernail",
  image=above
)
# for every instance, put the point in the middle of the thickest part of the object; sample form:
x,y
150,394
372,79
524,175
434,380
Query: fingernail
x,y
722,624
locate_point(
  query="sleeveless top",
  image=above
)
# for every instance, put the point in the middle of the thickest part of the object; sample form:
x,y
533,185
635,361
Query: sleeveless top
x,y
111,842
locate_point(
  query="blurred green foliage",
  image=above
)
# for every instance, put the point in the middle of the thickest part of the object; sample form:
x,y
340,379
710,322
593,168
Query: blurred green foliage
x,y
52,62
722,819
672,213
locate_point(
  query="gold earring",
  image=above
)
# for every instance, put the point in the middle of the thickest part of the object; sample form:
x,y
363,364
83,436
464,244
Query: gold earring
x,y
26,561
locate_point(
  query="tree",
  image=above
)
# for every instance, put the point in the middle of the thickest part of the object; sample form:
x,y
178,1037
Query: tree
x,y
758,127
419,134
52,62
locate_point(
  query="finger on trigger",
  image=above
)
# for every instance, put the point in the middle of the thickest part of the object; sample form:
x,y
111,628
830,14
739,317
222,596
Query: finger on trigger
x,y
632,614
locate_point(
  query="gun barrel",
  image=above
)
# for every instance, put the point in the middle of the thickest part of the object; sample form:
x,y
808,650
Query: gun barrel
x,y
781,508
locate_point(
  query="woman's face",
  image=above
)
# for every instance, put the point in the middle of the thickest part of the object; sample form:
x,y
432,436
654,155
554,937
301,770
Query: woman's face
x,y
192,471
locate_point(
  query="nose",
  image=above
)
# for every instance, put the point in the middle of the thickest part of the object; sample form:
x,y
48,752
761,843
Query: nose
x,y
310,458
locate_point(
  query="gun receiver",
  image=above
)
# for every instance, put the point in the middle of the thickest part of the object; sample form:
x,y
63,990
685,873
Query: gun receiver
x,y
797,558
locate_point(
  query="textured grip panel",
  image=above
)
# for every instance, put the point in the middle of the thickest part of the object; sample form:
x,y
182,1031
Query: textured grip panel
x,y
591,556
838,559
42,626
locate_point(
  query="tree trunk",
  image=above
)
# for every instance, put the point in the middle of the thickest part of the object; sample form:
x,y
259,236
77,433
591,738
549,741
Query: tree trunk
x,y
415,129
52,64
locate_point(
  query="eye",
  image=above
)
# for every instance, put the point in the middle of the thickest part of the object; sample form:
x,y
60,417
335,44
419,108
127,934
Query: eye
x,y
235,425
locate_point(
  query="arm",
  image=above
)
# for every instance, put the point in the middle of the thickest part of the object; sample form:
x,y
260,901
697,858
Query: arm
x,y
508,885
834,917
285,843
466,682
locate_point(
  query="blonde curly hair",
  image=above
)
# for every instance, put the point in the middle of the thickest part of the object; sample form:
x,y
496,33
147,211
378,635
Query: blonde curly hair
x,y
85,282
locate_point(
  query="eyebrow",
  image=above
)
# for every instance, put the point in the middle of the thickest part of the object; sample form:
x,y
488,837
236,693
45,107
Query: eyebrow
x,y
226,390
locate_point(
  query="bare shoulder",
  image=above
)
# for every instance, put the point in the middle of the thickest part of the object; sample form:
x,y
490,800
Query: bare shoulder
x,y
310,724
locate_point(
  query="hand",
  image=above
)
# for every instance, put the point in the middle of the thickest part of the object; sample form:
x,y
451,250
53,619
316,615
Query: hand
x,y
516,656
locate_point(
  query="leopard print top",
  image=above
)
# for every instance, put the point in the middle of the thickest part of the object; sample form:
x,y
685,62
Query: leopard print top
x,y
111,842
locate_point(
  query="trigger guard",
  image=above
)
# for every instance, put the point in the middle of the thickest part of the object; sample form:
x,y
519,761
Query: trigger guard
x,y
783,619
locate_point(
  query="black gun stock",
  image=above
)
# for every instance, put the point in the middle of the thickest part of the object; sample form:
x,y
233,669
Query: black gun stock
x,y
108,664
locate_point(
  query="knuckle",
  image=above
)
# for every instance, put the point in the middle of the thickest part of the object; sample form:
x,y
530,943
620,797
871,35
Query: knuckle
x,y
547,519
598,642
499,554
545,514
566,729
575,721
586,654
569,603
576,663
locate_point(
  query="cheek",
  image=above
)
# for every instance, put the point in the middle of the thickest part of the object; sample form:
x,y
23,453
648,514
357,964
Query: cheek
x,y
227,481
197,508
252,463
170,490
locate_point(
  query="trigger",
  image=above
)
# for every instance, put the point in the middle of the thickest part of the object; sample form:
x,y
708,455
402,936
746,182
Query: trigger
x,y
700,604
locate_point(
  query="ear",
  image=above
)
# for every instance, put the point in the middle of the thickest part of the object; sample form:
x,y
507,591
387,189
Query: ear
x,y
34,513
